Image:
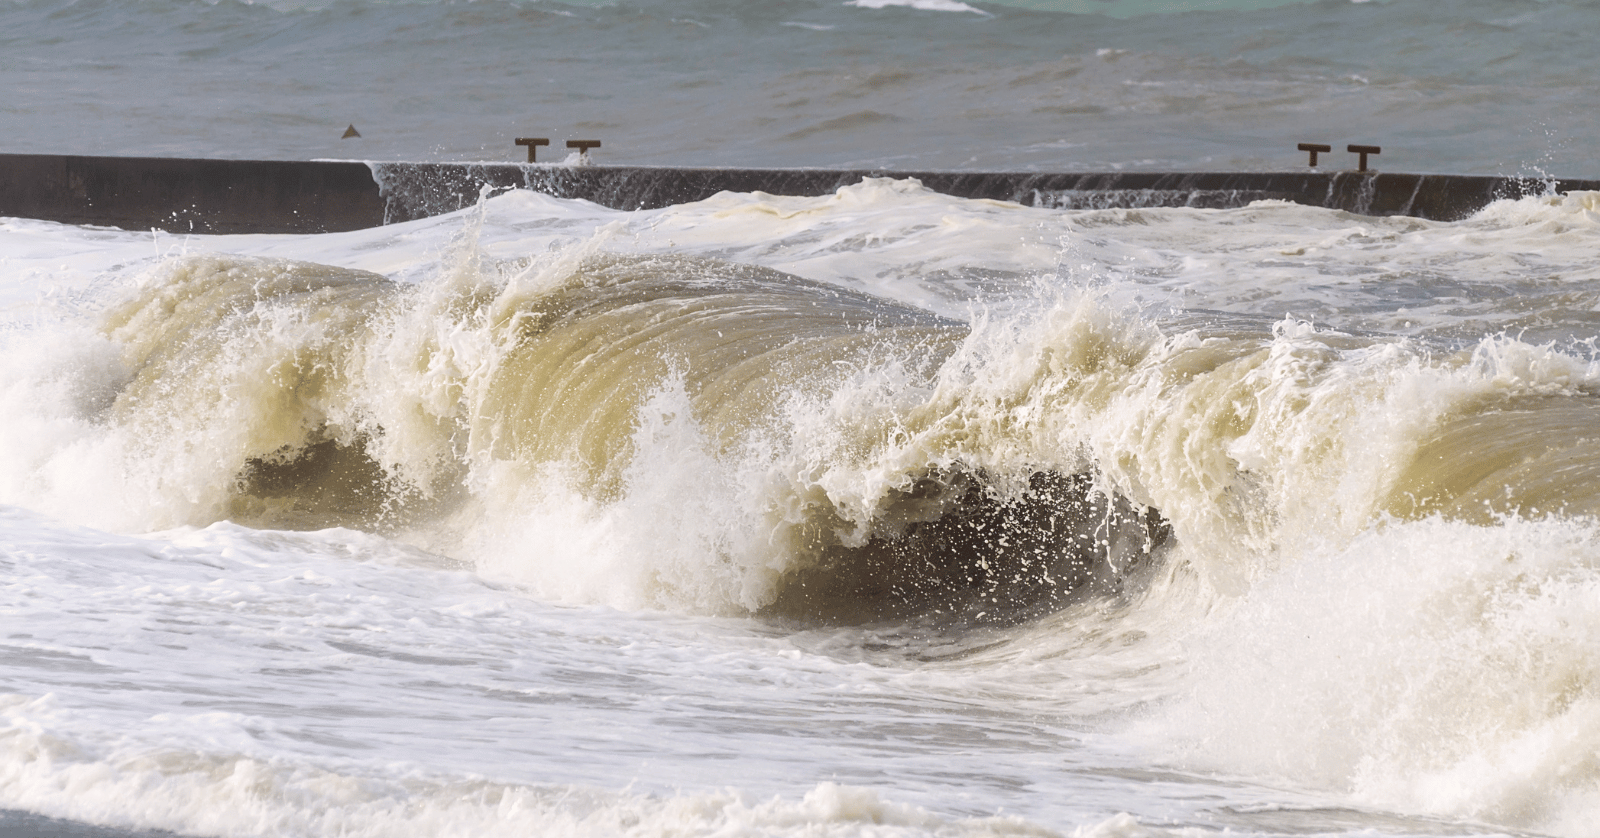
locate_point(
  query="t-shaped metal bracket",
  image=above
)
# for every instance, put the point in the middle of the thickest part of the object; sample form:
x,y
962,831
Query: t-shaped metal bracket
x,y
1363,150
583,146
533,144
1314,148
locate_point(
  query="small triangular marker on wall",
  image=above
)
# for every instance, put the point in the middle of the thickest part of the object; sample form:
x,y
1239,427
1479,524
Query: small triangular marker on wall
x,y
350,132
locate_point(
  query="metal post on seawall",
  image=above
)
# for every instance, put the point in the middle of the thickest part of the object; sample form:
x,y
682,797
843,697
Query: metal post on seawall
x,y
533,144
1363,150
1314,149
583,146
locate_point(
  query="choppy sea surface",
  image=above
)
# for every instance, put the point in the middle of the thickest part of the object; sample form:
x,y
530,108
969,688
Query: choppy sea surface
x,y
880,513
1458,86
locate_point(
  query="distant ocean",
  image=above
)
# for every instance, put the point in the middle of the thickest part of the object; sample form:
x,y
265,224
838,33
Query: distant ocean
x,y
880,513
1459,86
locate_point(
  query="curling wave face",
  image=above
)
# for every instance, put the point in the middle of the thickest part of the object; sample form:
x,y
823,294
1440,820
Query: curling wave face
x,y
871,495
885,466
731,438
1354,557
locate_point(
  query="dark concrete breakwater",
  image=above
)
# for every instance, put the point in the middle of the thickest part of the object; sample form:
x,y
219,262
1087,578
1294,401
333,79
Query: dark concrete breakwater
x,y
274,196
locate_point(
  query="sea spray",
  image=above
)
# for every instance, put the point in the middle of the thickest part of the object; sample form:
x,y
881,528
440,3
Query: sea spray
x,y
1203,494
1433,666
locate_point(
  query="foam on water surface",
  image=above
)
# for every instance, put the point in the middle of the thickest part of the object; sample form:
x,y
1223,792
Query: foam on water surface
x,y
1270,521
538,516
925,5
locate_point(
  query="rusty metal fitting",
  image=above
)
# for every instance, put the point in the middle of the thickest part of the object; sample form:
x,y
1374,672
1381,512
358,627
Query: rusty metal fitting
x,y
1363,150
583,146
1314,149
533,144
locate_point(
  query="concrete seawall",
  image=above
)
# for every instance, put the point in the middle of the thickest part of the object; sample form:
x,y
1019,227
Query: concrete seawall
x,y
262,196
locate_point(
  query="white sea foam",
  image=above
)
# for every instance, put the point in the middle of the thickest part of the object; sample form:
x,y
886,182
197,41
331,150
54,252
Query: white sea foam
x,y
1373,438
1423,666
1347,609
924,5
